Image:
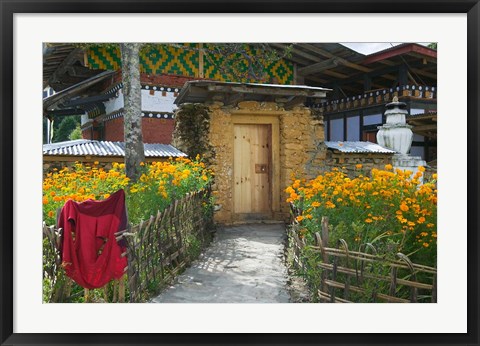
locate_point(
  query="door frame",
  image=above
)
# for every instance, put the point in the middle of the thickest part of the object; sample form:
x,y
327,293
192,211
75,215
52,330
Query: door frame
x,y
250,117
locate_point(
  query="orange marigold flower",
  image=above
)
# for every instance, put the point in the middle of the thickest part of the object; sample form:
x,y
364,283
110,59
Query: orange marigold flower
x,y
299,218
368,220
404,207
388,167
358,166
45,200
330,205
421,169
421,219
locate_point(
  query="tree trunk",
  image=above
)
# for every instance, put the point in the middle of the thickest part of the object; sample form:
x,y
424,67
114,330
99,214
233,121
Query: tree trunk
x,y
132,96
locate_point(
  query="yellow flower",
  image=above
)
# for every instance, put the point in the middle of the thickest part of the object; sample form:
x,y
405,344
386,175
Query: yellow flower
x,y
330,205
404,207
368,220
421,219
421,169
388,167
358,166
315,204
299,218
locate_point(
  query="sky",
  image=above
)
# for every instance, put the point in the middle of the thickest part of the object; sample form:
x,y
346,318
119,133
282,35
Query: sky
x,y
370,48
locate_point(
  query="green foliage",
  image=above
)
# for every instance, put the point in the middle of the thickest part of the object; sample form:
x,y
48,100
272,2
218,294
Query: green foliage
x,y
192,129
158,187
389,209
433,45
76,133
63,127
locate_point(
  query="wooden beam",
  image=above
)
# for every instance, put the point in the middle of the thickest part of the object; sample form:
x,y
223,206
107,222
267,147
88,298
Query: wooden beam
x,y
399,50
295,101
335,74
298,52
318,67
330,55
87,100
62,68
424,73
266,91
200,60
233,99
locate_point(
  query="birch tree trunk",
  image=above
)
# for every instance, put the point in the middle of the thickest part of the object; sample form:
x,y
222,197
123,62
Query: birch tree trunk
x,y
134,151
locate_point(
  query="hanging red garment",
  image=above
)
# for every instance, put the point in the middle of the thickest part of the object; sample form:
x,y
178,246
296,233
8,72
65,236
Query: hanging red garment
x,y
90,253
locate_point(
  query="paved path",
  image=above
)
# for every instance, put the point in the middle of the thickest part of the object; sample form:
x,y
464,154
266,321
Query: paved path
x,y
243,264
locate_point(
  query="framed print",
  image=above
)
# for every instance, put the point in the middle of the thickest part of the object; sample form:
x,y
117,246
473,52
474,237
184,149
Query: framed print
x,y
307,108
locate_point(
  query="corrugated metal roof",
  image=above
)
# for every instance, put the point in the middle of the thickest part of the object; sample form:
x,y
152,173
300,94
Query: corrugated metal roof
x,y
358,147
84,147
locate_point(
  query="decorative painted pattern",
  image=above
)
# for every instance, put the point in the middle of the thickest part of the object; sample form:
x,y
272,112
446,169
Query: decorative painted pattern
x,y
168,59
278,72
104,58
376,97
151,115
183,60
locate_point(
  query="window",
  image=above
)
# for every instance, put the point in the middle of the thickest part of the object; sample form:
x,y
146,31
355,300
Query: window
x,y
353,128
372,119
336,128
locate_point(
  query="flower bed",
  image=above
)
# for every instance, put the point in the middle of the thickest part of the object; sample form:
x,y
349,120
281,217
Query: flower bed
x,y
389,209
160,186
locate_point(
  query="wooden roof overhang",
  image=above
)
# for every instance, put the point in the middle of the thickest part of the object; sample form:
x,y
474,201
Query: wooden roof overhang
x,y
350,73
64,65
424,124
78,98
202,91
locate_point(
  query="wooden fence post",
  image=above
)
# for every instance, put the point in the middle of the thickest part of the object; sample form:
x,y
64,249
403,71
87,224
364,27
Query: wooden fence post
x,y
121,289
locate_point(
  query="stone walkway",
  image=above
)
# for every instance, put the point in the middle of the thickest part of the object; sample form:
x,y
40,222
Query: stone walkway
x,y
243,264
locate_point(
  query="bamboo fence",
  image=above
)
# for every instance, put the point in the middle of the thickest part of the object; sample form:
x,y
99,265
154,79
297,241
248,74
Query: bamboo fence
x,y
158,249
340,275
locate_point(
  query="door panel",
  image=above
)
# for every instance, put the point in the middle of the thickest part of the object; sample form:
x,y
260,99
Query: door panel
x,y
252,168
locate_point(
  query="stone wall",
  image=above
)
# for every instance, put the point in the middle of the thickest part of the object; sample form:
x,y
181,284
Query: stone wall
x,y
348,162
220,138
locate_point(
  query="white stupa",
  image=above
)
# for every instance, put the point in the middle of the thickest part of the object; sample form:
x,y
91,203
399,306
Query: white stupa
x,y
396,135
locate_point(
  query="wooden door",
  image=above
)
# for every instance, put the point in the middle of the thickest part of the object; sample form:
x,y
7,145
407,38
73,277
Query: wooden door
x,y
252,170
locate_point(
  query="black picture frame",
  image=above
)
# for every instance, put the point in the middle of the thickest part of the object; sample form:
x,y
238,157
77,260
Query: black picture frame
x,y
10,7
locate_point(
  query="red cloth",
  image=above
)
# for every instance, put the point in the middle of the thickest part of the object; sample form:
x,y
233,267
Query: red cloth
x,y
88,226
